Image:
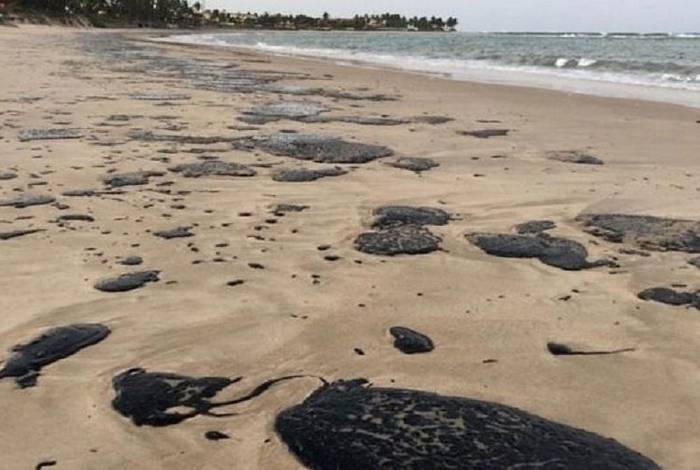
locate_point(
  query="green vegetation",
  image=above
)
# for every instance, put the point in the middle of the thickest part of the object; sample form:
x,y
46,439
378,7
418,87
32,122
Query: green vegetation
x,y
387,21
101,12
157,13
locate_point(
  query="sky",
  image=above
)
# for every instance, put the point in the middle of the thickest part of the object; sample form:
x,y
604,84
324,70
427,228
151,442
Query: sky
x,y
506,15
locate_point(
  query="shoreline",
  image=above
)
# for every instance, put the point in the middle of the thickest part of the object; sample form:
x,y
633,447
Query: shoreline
x,y
246,289
495,75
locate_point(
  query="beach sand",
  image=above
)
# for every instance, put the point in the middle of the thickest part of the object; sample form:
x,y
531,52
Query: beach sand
x,y
489,317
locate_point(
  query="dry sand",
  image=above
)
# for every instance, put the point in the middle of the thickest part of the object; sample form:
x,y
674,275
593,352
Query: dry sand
x,y
474,306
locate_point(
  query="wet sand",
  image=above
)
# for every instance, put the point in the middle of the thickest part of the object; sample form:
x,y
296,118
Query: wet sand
x,y
311,303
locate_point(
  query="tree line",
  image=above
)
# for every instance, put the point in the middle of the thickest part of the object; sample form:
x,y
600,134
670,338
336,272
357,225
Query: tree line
x,y
358,22
180,12
142,12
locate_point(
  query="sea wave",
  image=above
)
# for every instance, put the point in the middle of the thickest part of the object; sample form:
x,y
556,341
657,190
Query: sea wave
x,y
599,35
588,68
564,62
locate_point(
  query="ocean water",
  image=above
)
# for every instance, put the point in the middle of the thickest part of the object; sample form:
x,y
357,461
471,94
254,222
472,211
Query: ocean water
x,y
663,67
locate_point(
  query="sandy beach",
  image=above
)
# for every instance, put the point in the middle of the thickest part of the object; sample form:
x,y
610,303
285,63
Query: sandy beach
x,y
254,290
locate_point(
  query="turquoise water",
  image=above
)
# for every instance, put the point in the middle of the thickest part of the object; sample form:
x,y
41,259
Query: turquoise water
x,y
668,61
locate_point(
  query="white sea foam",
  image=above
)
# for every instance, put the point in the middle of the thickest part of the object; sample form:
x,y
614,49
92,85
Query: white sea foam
x,y
583,62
